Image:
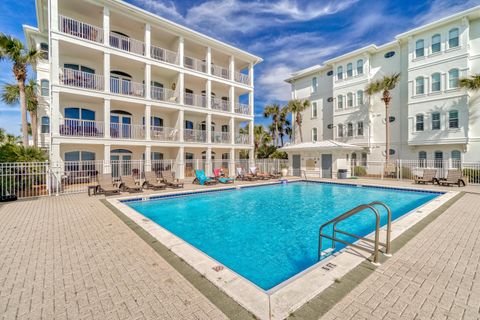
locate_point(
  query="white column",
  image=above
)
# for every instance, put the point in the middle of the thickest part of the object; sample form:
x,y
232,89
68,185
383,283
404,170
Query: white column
x,y
148,114
55,64
231,96
148,157
231,68
231,161
106,118
53,15
250,74
148,39
55,113
208,162
251,158
181,51
148,80
208,94
180,161
250,132
208,124
106,26
180,124
231,126
181,87
107,166
106,71
251,103
209,60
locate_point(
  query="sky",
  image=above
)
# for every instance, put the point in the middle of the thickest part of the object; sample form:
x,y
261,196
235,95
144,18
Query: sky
x,y
289,35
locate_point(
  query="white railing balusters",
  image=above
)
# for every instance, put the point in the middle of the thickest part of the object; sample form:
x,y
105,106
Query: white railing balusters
x,y
81,79
79,29
127,87
126,43
165,55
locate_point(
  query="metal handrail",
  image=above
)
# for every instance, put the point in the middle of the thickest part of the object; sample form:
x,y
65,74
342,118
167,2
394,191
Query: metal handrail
x,y
350,213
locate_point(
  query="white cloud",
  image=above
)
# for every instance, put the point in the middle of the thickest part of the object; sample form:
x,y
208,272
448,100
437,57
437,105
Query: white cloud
x,y
443,8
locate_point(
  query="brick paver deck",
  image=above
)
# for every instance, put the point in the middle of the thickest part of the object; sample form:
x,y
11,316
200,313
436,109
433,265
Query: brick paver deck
x,y
70,257
434,276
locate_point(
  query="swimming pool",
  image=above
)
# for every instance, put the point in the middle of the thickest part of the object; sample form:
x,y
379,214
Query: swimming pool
x,y
269,234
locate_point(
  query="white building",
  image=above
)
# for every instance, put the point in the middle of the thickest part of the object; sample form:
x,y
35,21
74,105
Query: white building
x,y
109,66
431,117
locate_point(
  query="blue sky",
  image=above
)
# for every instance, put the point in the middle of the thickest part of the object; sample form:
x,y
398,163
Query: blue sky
x,y
289,35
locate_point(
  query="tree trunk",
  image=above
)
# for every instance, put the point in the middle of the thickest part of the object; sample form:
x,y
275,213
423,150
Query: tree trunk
x,y
299,123
33,119
387,131
23,110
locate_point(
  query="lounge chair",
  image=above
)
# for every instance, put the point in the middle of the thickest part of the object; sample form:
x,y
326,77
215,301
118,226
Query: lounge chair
x,y
454,176
429,176
202,179
222,179
152,181
106,185
241,175
129,184
170,181
255,172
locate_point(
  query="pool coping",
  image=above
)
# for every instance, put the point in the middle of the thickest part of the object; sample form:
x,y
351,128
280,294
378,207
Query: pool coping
x,y
291,294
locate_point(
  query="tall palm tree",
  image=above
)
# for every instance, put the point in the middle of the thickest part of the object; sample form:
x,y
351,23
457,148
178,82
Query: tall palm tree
x,y
284,125
385,85
13,49
274,111
296,107
260,138
11,95
472,83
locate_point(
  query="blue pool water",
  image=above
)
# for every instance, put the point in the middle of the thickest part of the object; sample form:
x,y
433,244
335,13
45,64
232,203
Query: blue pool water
x,y
268,234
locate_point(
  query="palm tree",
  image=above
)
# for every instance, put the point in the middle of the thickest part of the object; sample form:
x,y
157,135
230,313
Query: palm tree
x,y
385,85
261,138
11,95
472,83
296,107
13,49
273,111
284,125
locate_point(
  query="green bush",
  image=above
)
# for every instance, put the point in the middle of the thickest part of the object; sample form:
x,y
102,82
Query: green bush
x,y
359,171
472,174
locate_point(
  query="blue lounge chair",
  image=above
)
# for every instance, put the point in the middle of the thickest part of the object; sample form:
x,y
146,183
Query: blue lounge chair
x,y
202,179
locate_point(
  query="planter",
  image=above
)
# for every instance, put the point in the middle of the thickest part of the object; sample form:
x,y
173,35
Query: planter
x,y
284,172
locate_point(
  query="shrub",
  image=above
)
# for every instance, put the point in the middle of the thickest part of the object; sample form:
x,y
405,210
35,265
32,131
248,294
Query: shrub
x,y
359,171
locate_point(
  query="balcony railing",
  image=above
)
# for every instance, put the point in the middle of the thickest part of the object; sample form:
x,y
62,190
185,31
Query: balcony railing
x,y
220,72
165,55
195,64
163,94
191,135
242,138
126,87
221,137
79,29
80,79
220,104
127,44
164,134
242,108
81,128
127,131
242,78
197,100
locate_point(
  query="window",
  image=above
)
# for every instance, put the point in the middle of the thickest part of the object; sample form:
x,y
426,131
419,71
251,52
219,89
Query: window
x,y
340,130
436,84
360,67
314,85
422,159
79,113
354,159
340,102
45,123
438,156
44,87
419,49
419,85
453,119
71,161
349,70
436,121
453,78
350,129
456,158
359,98
314,134
364,159
391,152
436,43
389,54
314,110
340,73
330,73
188,125
360,128
349,99
453,39
419,122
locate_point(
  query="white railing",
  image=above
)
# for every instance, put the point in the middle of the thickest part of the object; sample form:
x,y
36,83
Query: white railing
x,y
220,104
197,100
76,176
127,131
164,134
242,108
270,165
194,164
242,138
165,55
163,94
163,165
80,79
242,78
220,72
79,29
221,137
81,128
126,44
195,64
191,135
126,87
24,179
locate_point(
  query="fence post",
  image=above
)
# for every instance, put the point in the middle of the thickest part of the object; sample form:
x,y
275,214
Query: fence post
x,y
400,177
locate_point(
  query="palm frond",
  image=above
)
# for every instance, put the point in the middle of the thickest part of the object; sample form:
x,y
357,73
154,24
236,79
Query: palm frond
x,y
471,84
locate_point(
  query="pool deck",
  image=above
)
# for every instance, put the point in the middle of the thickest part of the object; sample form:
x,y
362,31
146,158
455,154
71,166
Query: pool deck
x,y
71,257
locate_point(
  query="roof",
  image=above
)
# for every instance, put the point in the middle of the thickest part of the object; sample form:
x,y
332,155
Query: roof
x,y
327,145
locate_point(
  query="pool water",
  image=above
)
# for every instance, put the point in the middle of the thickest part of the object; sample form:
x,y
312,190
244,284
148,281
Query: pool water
x,y
268,234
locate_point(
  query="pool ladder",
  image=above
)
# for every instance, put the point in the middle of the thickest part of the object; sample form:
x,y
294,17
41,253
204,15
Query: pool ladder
x,y
376,242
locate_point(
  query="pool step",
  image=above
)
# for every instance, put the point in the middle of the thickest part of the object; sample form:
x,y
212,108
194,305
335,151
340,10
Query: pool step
x,y
326,252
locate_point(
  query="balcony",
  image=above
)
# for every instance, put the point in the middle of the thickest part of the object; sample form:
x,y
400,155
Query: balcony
x,y
220,72
163,94
220,104
195,64
196,100
242,78
220,137
126,87
164,55
81,79
164,134
242,108
242,138
80,30
127,131
127,44
191,135
81,128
